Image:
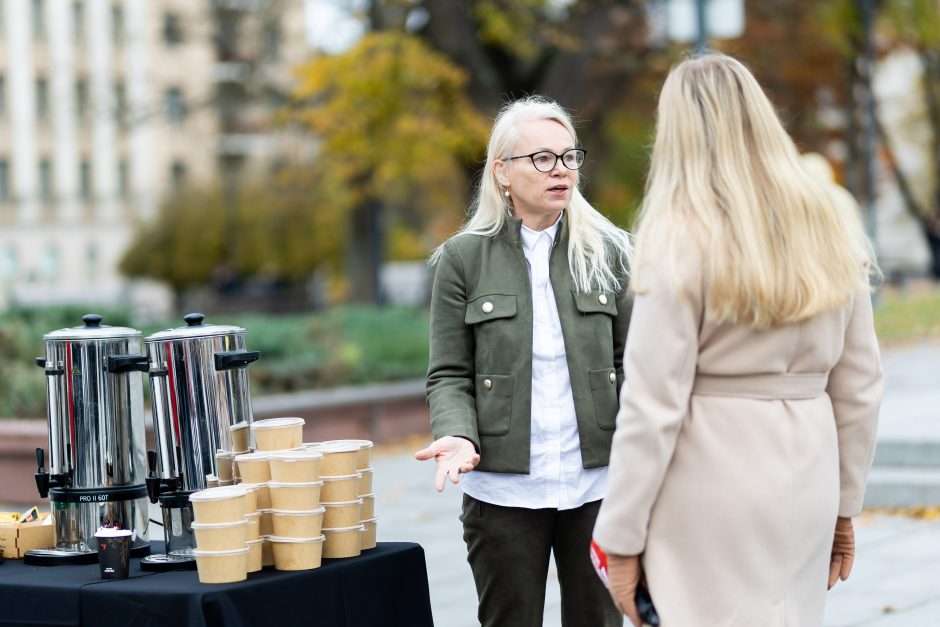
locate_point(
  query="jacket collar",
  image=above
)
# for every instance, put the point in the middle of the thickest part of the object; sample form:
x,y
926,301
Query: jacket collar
x,y
512,229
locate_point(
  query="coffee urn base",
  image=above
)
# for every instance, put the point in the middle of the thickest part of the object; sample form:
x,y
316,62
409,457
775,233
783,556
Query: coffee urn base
x,y
65,557
161,562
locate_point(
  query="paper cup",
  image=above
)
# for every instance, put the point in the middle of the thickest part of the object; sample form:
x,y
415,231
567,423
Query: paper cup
x,y
114,550
296,553
295,496
364,458
222,566
365,480
276,434
221,536
302,524
251,496
212,481
266,526
223,465
255,550
253,467
368,506
339,458
267,552
342,514
368,533
262,494
343,542
240,433
219,505
295,466
253,528
338,489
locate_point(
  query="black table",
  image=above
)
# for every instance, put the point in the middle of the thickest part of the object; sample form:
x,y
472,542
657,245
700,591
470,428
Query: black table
x,y
384,587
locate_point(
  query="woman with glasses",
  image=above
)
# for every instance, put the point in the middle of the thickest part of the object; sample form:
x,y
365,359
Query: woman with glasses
x,y
529,315
753,379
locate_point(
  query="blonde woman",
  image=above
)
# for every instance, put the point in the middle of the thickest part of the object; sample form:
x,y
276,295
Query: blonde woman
x,y
753,380
529,315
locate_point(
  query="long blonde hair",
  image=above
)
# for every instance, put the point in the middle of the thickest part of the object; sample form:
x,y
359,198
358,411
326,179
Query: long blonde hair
x,y
598,251
778,246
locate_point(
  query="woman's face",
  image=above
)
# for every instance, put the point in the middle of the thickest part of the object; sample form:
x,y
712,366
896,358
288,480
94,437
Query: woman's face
x,y
538,197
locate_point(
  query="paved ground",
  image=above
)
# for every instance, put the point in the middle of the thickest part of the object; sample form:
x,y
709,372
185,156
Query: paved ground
x,y
896,581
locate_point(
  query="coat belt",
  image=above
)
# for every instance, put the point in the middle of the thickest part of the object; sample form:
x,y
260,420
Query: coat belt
x,y
780,386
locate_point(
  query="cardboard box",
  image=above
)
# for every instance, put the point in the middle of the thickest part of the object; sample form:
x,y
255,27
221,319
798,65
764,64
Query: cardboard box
x,y
17,538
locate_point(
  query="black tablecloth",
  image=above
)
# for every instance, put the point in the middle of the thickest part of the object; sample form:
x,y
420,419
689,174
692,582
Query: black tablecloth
x,y
384,587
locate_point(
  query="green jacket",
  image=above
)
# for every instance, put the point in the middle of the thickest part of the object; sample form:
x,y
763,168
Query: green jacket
x,y
479,383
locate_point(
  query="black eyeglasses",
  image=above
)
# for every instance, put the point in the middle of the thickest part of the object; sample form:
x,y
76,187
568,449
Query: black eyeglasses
x,y
545,160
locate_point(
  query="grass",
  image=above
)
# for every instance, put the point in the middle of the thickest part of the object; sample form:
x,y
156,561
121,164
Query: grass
x,y
907,316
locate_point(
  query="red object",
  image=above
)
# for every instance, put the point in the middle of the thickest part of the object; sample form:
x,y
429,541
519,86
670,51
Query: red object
x,y
599,560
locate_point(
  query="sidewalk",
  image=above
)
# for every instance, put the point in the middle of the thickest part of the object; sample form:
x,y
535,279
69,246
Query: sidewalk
x,y
895,582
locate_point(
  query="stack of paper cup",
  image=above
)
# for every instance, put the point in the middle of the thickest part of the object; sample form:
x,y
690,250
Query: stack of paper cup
x,y
221,534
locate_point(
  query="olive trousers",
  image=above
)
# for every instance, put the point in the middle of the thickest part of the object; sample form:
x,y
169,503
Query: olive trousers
x,y
508,549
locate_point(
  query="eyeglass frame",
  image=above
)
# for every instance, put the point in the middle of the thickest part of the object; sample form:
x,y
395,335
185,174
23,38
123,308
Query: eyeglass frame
x,y
557,158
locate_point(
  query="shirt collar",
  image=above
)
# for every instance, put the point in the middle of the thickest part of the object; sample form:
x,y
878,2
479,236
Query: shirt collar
x,y
530,237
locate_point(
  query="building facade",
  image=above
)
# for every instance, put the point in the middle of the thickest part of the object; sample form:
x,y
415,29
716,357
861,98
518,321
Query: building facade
x,y
107,106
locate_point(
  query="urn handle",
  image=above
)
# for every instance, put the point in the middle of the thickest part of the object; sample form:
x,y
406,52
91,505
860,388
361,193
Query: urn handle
x,y
230,360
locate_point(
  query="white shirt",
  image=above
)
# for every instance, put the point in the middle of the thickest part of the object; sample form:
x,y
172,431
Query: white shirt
x,y
556,477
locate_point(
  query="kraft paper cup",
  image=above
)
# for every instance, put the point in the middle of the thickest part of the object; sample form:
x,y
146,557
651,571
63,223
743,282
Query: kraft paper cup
x,y
223,465
221,536
343,541
266,524
253,528
295,496
251,496
368,506
267,552
368,533
255,551
337,489
365,480
222,566
295,466
212,481
219,505
253,467
303,524
339,458
297,553
240,433
342,514
277,434
364,459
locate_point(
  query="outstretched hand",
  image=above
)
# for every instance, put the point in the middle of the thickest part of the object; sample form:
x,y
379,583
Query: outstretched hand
x,y
453,455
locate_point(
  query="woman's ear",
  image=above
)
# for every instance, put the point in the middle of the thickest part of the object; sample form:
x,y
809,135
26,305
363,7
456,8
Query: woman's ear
x,y
501,172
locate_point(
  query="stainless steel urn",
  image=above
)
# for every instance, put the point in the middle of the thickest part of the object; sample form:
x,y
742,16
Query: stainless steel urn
x,y
199,390
96,438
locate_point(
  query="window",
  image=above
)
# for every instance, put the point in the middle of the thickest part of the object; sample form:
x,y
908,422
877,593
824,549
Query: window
x,y
84,180
8,265
39,20
91,261
173,105
172,29
4,180
272,41
78,19
81,99
45,180
123,179
117,23
50,262
178,174
42,98
120,100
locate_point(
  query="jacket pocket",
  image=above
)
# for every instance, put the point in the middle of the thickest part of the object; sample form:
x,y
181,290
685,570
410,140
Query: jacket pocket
x,y
490,307
604,390
596,301
494,403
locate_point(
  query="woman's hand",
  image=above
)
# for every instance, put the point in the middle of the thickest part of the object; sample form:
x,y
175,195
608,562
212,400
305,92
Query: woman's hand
x,y
843,551
454,455
623,576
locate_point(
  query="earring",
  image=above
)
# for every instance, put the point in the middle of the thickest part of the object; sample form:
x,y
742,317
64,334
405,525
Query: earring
x,y
506,193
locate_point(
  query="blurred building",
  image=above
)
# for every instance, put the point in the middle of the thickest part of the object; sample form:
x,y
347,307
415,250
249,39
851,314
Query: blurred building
x,y
106,106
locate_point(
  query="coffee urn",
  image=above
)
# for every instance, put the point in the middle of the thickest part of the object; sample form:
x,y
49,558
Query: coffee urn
x,y
95,408
199,391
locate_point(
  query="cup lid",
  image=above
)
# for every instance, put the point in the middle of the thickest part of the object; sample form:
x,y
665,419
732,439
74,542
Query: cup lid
x,y
359,443
222,525
342,503
111,532
238,425
283,484
337,447
355,475
277,423
200,552
295,456
358,527
218,494
294,540
368,521
251,457
370,495
298,512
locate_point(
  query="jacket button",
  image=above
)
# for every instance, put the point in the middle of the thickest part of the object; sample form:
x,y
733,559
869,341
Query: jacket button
x,y
602,299
488,384
487,307
613,377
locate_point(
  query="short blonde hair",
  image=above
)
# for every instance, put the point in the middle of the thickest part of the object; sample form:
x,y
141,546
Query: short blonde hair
x,y
778,246
598,251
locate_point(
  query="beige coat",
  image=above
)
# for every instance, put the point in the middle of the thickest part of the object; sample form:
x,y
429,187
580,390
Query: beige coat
x,y
734,452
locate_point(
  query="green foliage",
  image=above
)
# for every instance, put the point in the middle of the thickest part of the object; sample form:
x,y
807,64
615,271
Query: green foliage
x,y
620,177
907,317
